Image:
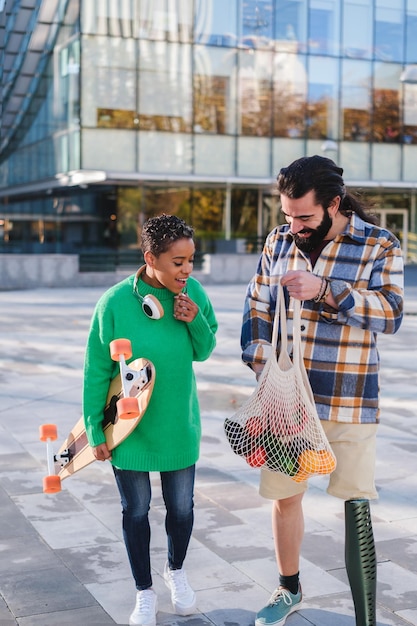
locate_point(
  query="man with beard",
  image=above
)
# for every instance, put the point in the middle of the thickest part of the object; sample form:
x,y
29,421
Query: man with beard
x,y
349,274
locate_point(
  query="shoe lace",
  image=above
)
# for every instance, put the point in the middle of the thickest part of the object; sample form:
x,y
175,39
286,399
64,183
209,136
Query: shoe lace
x,y
280,594
144,601
179,582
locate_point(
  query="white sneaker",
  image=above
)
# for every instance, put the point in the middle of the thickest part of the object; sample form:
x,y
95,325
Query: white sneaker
x,y
144,613
182,596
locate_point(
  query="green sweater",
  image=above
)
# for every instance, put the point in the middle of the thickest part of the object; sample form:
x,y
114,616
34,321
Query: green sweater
x,y
168,436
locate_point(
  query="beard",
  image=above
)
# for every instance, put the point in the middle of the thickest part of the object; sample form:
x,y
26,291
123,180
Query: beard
x,y
317,235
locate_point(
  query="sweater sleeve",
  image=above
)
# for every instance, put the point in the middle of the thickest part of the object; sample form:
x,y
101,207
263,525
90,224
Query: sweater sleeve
x,y
99,369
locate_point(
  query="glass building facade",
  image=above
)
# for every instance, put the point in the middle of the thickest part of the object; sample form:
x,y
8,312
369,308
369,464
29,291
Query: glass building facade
x,y
115,110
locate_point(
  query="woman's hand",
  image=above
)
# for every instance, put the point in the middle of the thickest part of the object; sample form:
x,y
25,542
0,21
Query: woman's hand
x,y
102,453
185,309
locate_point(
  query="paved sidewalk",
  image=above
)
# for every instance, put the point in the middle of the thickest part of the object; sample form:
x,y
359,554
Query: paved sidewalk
x,y
62,557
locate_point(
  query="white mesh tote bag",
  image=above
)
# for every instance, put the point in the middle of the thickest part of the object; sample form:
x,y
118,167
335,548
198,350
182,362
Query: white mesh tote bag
x,y
278,426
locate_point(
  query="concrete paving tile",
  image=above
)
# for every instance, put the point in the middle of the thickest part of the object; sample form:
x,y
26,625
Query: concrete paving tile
x,y
397,587
232,604
198,619
6,619
56,589
62,522
393,507
25,552
227,496
22,461
116,597
403,551
259,520
19,483
13,522
338,610
97,564
91,616
325,549
409,615
9,444
233,543
215,574
208,515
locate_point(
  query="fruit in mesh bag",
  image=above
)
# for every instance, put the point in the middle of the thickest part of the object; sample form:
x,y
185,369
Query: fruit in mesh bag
x,y
258,457
280,457
314,462
255,426
290,425
237,437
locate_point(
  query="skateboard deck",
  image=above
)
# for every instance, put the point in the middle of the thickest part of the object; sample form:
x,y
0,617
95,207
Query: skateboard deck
x,y
135,383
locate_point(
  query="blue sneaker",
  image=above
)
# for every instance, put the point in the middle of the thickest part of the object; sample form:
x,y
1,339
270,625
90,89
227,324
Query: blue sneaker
x,y
280,605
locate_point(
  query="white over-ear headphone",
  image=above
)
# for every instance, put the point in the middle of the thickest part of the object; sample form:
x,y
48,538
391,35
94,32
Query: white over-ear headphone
x,y
150,304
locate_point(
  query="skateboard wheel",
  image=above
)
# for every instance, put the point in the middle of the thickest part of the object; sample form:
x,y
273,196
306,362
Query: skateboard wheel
x,y
128,408
51,484
120,347
48,432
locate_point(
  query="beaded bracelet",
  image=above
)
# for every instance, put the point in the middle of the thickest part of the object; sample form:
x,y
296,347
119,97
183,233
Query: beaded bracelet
x,y
322,290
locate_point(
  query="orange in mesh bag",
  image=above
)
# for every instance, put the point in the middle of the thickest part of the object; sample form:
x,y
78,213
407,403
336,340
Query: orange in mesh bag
x,y
278,427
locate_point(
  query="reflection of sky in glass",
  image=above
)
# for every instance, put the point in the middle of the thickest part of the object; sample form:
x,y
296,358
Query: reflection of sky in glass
x,y
257,18
217,22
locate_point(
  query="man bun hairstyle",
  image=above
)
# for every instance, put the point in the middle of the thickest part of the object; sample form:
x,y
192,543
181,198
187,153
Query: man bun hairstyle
x,y
325,178
158,233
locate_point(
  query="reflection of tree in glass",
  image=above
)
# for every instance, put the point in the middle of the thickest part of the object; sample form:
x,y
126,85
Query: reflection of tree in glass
x,y
386,115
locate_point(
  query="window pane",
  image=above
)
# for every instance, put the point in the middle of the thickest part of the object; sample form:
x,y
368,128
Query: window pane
x,y
324,27
386,103
291,23
165,87
389,30
108,149
162,152
356,100
247,164
166,20
257,23
409,165
410,113
108,82
411,30
357,29
356,160
386,162
216,22
214,90
108,17
323,90
290,87
255,101
214,156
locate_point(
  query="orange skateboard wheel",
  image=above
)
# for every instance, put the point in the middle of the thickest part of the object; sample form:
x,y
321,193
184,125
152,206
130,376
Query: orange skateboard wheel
x,y
48,432
120,347
51,484
128,408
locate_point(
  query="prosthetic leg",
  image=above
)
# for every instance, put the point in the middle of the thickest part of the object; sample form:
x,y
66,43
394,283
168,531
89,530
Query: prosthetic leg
x,y
360,559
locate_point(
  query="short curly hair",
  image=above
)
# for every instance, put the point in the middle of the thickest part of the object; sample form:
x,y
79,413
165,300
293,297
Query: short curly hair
x,y
160,232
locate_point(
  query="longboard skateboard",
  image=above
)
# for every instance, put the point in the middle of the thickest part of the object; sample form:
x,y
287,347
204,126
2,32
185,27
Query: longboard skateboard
x,y
127,401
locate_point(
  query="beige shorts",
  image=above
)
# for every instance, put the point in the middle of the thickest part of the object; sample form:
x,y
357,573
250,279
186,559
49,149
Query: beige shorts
x,y
354,446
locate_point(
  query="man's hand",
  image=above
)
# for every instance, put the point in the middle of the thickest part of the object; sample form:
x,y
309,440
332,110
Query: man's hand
x,y
301,285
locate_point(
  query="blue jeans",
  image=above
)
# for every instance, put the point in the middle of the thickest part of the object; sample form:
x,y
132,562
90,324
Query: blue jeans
x,y
178,494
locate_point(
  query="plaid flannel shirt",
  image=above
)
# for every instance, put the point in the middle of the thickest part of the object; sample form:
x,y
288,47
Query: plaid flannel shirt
x,y
365,268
